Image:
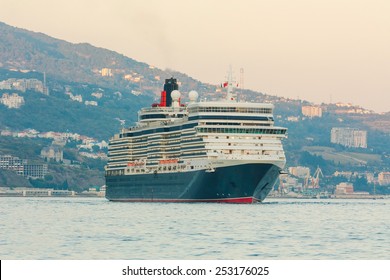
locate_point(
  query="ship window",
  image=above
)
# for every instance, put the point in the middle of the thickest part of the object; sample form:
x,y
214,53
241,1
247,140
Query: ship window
x,y
192,167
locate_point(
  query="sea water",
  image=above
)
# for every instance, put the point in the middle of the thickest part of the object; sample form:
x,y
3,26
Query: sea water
x,y
96,229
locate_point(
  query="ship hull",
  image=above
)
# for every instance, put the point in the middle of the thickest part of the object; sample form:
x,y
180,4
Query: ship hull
x,y
245,183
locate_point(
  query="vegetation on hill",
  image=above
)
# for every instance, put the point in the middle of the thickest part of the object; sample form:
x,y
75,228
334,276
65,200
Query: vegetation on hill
x,y
82,175
80,63
10,179
57,112
75,70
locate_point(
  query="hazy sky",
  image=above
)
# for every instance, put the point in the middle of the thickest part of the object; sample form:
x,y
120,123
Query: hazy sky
x,y
321,51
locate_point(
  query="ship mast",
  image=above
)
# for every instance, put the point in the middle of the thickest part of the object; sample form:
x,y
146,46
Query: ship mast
x,y
230,95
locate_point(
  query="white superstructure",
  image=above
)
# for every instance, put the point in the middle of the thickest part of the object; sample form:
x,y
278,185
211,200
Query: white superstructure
x,y
199,136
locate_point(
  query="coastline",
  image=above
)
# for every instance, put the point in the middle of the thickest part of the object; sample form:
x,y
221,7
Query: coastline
x,y
332,196
28,192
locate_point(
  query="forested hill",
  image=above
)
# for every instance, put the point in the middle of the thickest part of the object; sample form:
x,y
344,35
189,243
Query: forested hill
x,y
94,91
77,74
80,63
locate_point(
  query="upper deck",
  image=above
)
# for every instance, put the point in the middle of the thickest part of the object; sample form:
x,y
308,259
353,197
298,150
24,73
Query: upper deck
x,y
230,108
161,113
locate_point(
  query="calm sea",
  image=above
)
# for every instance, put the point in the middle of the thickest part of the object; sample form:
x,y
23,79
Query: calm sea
x,y
94,228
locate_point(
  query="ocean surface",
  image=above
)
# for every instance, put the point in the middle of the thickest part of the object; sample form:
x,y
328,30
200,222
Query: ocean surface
x,y
96,229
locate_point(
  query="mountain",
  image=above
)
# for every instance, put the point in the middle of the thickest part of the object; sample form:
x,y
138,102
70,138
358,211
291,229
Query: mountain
x,y
79,70
79,63
92,91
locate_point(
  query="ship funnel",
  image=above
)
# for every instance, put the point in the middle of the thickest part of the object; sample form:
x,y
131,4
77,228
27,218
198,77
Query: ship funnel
x,y
169,86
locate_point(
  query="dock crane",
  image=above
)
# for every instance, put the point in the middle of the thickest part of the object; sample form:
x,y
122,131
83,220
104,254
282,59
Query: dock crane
x,y
315,180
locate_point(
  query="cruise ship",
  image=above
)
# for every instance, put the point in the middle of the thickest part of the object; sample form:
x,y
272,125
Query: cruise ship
x,y
202,151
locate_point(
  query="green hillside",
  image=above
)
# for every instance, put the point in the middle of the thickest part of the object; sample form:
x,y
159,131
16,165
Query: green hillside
x,y
57,112
75,81
81,63
345,158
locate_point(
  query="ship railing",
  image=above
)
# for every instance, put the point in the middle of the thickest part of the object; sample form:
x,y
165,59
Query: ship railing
x,y
163,109
246,157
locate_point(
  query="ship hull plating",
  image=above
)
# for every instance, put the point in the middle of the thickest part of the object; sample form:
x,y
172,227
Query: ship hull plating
x,y
246,183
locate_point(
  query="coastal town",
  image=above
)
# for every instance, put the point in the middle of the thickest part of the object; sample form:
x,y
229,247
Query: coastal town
x,y
358,168
296,182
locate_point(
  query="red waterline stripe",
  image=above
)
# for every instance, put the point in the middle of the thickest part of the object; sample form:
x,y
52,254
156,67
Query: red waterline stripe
x,y
241,200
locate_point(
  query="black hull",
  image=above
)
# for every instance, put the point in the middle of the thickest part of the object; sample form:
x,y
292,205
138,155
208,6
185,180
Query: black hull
x,y
245,183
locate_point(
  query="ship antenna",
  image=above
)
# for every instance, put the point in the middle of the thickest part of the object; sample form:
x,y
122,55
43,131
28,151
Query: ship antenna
x,y
230,96
241,79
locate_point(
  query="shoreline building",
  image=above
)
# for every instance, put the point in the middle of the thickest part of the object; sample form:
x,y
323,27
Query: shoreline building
x,y
22,168
15,164
344,188
384,178
35,171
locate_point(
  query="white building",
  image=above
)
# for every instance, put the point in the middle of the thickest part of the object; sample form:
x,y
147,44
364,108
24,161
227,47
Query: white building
x,y
98,95
12,163
299,171
293,119
106,72
77,98
349,137
312,111
22,85
35,171
34,84
384,178
52,153
91,103
12,101
344,188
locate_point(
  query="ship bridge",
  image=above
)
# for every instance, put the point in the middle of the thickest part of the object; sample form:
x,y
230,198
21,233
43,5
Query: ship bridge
x,y
161,114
